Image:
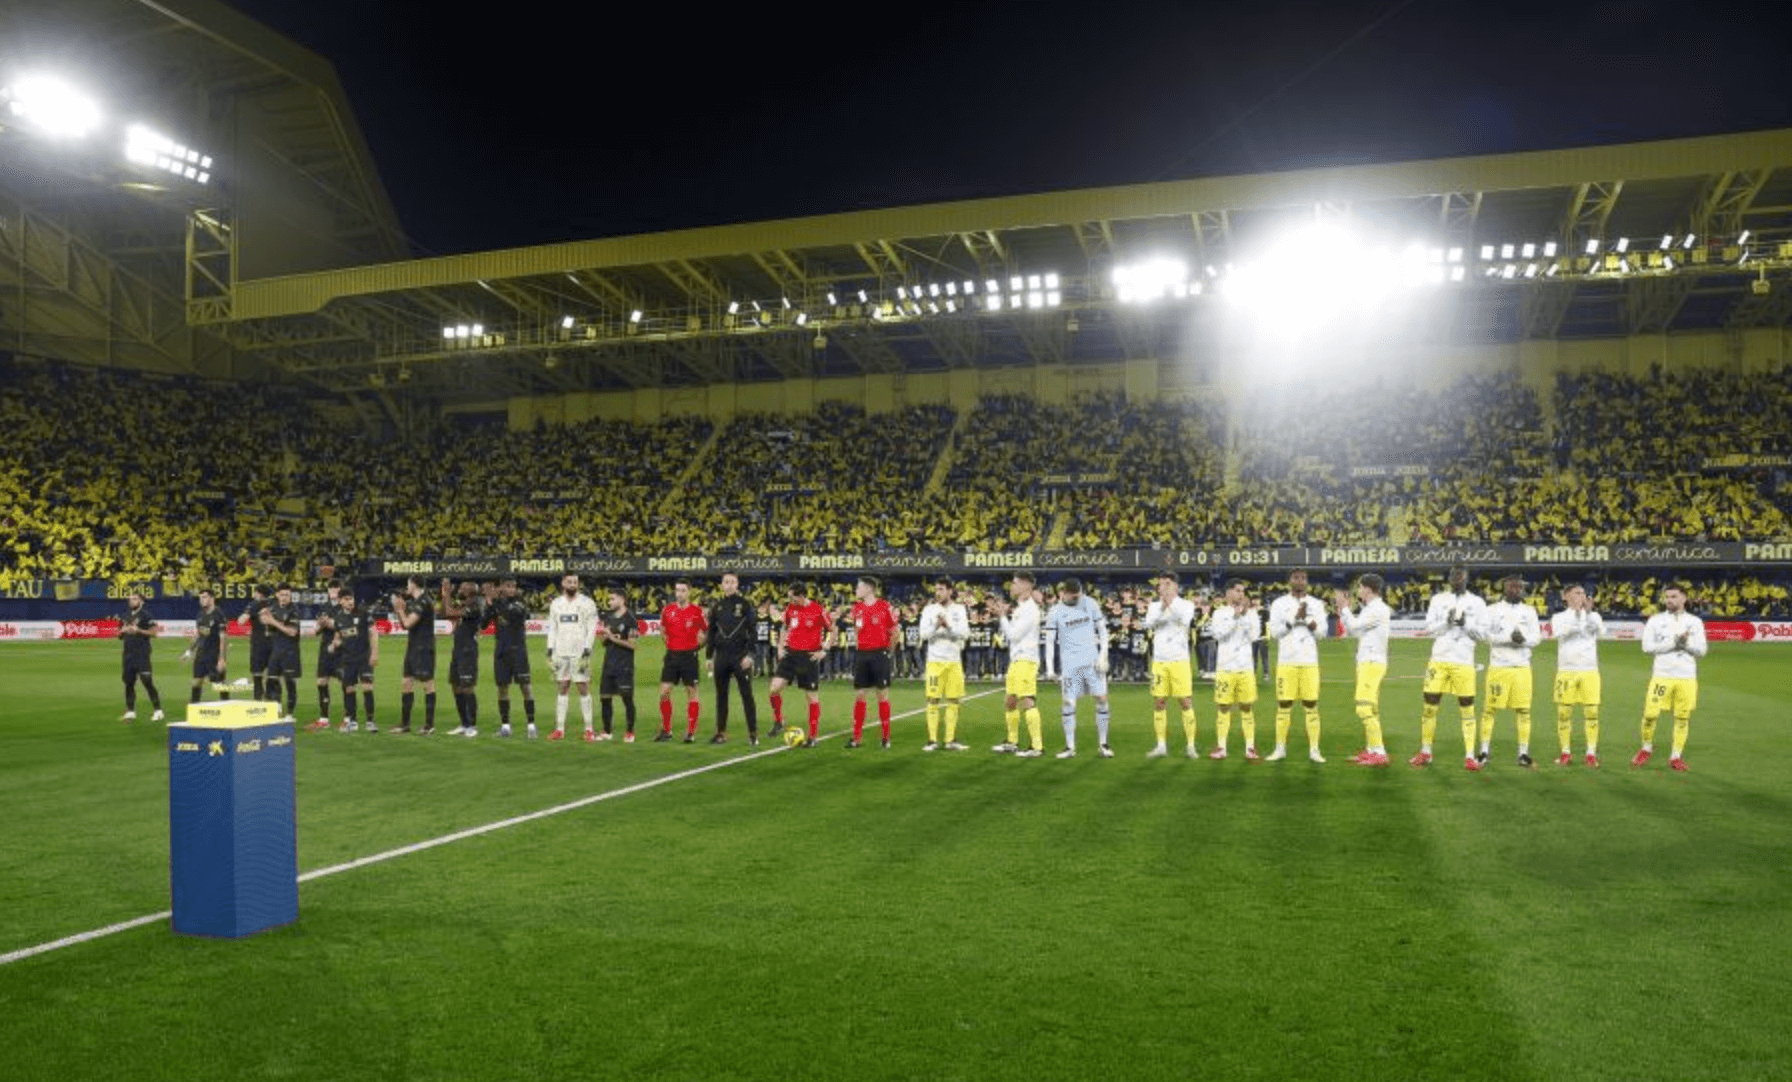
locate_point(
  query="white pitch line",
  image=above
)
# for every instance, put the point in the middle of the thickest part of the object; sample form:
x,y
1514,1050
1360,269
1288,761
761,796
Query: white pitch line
x,y
461,835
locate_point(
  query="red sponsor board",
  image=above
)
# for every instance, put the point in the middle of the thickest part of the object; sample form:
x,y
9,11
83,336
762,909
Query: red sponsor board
x,y
1744,631
90,629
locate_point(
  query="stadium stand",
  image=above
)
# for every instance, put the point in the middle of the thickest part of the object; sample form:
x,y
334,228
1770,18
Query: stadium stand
x,y
107,477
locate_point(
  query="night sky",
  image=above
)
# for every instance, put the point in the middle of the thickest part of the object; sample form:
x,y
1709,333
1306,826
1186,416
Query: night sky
x,y
547,122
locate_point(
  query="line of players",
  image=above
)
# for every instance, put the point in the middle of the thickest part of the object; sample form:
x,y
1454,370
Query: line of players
x,y
1075,634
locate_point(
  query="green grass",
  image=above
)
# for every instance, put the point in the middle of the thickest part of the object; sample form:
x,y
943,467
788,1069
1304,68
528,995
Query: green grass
x,y
897,915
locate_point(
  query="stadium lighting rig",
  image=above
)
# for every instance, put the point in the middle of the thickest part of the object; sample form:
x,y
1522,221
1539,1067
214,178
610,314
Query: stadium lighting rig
x,y
146,147
52,106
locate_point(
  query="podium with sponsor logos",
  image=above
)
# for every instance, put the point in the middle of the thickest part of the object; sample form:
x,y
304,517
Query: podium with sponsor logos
x,y
233,834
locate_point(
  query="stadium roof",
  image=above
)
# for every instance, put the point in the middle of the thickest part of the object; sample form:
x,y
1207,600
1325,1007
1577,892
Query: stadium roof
x,y
115,271
98,248
782,298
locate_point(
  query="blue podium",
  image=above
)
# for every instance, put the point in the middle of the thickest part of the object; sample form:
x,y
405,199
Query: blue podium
x,y
233,835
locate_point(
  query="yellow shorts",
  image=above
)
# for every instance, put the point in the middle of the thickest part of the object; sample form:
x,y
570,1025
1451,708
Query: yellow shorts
x,y
1450,678
1234,687
1577,688
1677,695
1297,682
945,680
1509,688
1171,680
1022,682
1369,675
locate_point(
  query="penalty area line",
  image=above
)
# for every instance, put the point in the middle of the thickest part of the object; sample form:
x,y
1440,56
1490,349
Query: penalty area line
x,y
447,839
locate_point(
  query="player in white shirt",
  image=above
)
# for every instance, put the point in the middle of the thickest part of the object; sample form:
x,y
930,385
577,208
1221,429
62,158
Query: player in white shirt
x,y
572,624
1676,639
1235,627
1170,619
1297,623
1576,630
1370,625
1020,630
1512,633
944,628
1456,621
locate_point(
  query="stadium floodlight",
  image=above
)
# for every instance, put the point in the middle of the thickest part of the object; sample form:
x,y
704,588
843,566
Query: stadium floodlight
x,y
802,319
1015,284
933,289
1530,250
786,301
1742,240
448,333
478,329
902,292
1667,241
1487,252
461,330
832,300
970,287
1667,262
993,301
1593,247
1624,265
1623,245
1053,298
733,308
1454,255
990,285
951,289
863,299
1508,251
1554,269
1138,283
1510,271
1457,273
635,316
1549,249
1051,280
756,307
933,308
566,323
1530,270
1015,300
1688,242
1212,272
148,148
53,106
1035,282
951,306
1035,299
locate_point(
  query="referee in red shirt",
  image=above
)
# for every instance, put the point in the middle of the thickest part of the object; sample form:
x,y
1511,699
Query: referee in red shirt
x,y
685,628
807,629
875,622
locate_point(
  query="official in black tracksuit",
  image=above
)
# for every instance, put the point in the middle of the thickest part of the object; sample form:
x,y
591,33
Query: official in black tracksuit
x,y
733,637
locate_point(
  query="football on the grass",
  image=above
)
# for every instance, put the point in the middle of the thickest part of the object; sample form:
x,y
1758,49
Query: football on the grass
x,y
795,737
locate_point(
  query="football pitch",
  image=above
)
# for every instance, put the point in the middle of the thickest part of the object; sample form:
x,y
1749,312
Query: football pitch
x,y
868,914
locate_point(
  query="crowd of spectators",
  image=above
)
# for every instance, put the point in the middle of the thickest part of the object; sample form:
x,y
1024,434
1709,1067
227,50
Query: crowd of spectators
x,y
120,476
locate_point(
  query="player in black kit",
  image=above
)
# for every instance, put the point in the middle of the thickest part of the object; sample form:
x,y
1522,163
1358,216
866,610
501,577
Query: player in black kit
x,y
467,610
135,628
259,642
510,653
733,639
356,646
417,615
620,631
209,647
326,659
282,621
